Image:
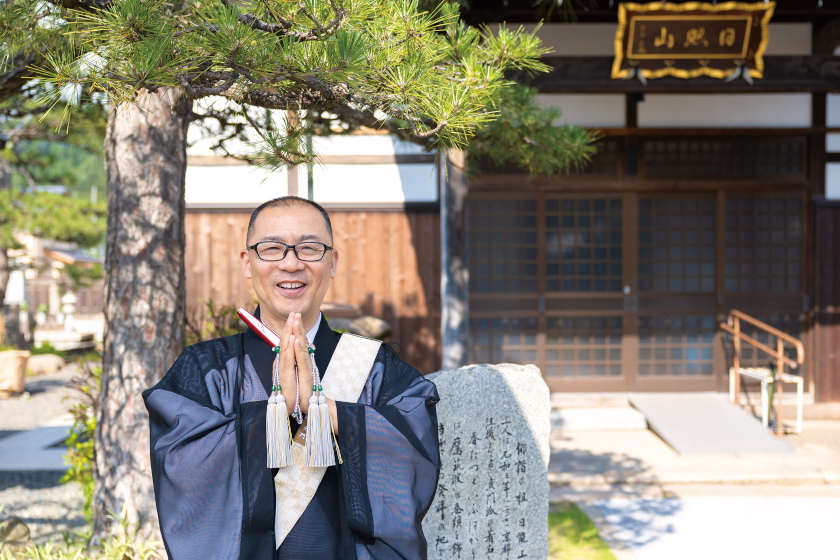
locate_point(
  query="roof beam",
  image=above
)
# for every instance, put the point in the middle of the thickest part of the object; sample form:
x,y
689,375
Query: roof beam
x,y
591,74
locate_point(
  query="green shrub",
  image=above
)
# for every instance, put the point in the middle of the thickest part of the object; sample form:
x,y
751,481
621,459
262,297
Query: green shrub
x,y
124,545
213,321
80,452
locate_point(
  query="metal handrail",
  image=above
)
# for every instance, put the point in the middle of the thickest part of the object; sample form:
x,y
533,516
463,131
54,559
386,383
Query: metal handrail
x,y
732,325
761,346
800,348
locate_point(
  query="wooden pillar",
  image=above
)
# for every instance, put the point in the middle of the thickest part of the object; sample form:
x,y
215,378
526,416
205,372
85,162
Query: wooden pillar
x,y
827,302
454,281
810,264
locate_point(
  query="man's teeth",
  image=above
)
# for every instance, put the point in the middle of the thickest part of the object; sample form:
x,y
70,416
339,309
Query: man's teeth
x,y
291,285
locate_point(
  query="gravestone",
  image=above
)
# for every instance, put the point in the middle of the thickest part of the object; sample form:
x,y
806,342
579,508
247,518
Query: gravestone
x,y
492,496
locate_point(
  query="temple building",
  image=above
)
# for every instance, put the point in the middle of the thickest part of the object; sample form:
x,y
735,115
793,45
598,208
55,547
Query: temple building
x,y
716,187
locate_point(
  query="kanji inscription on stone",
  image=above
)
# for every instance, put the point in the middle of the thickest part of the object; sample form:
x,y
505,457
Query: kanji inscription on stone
x,y
492,497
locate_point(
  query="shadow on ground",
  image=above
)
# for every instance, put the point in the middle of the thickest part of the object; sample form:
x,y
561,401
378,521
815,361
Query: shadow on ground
x,y
619,492
43,384
49,508
30,480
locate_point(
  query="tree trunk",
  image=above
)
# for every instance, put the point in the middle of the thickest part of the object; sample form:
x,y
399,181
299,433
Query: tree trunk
x,y
455,291
145,161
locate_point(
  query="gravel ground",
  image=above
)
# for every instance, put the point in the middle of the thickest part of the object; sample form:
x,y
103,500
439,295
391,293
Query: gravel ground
x,y
46,398
48,507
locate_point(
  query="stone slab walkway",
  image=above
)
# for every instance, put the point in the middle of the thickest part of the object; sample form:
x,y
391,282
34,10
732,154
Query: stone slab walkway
x,y
651,503
702,527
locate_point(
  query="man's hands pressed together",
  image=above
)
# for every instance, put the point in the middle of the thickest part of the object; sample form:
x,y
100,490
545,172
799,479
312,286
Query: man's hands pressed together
x,y
296,349
293,338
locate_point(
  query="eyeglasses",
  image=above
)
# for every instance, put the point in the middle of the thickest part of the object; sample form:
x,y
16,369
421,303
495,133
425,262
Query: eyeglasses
x,y
309,251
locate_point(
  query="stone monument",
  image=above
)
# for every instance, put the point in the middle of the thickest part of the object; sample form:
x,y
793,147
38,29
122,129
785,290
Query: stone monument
x,y
492,496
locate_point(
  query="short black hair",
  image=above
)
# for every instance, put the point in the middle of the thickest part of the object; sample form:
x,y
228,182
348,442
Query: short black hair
x,y
288,201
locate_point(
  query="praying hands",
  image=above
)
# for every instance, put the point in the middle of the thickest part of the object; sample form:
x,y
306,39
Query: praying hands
x,y
294,349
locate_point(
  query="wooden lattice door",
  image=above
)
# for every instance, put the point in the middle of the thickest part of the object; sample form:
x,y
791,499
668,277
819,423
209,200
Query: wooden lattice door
x,y
624,291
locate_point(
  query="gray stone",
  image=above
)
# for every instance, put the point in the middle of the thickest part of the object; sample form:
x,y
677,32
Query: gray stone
x,y
41,364
366,325
492,497
373,326
13,532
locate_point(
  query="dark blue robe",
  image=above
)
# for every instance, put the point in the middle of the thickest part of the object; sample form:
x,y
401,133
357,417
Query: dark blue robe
x,y
215,497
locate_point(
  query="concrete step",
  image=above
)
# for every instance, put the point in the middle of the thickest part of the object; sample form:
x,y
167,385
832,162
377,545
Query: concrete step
x,y
597,419
589,400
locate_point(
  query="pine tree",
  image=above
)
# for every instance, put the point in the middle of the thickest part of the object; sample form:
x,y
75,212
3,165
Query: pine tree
x,y
422,75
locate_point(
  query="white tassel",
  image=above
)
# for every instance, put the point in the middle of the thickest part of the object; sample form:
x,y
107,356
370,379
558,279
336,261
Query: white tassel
x,y
319,436
270,431
278,433
312,442
327,458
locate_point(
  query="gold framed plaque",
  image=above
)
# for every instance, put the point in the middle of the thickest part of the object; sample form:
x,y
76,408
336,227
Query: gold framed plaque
x,y
691,39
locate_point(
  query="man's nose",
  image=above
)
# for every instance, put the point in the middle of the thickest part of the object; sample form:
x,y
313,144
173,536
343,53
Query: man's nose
x,y
290,261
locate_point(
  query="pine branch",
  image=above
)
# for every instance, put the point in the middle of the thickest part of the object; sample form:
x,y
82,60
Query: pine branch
x,y
283,28
13,79
426,77
313,100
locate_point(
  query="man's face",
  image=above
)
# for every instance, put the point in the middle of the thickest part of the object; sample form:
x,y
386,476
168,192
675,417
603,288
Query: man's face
x,y
289,285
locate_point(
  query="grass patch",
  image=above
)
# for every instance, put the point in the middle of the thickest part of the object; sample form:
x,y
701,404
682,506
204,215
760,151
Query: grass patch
x,y
46,348
573,536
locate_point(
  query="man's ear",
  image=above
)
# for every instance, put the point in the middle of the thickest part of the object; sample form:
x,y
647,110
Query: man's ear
x,y
334,264
246,263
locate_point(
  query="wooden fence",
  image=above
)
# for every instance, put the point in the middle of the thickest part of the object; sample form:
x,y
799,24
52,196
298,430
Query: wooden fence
x,y
389,266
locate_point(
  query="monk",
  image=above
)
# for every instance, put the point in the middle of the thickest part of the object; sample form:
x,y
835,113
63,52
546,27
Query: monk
x,y
217,497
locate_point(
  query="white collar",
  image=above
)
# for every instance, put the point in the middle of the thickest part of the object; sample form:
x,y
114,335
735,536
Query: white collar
x,y
310,336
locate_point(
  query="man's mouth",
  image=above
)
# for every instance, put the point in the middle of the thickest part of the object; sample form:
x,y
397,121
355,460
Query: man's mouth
x,y
291,288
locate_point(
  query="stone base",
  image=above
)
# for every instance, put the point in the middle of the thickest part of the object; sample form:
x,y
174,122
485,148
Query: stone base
x,y
13,372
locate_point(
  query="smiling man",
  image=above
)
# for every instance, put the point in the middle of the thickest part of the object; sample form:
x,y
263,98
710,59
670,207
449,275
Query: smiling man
x,y
216,495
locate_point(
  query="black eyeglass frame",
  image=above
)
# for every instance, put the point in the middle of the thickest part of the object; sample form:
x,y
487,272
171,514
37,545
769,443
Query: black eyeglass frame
x,y
292,247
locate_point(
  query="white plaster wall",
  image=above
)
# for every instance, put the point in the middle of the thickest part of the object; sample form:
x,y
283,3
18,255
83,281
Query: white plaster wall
x,y
726,110
832,181
200,140
789,39
198,144
832,116
598,39
832,142
378,183
600,110
234,185
363,144
582,39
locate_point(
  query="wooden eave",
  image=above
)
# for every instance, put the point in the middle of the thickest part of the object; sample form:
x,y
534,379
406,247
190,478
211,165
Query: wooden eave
x,y
604,11
591,74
